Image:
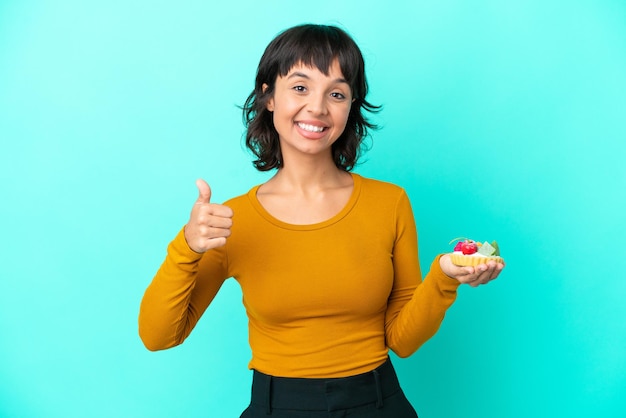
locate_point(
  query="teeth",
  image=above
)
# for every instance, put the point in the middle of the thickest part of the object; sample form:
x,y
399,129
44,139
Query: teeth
x,y
310,128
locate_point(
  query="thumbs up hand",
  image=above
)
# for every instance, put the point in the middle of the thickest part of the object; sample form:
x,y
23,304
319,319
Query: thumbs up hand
x,y
209,223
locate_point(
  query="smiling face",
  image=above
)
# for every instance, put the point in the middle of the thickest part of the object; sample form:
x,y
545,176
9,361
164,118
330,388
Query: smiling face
x,y
310,110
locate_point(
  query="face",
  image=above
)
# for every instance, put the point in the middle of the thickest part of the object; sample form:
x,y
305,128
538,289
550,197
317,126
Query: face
x,y
310,110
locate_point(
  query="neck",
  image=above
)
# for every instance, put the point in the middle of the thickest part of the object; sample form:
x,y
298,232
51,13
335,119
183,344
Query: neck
x,y
311,177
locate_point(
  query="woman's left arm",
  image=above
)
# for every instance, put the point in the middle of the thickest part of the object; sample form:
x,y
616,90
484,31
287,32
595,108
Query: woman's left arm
x,y
416,308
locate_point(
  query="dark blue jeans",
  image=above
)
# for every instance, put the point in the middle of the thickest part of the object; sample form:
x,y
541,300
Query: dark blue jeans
x,y
375,394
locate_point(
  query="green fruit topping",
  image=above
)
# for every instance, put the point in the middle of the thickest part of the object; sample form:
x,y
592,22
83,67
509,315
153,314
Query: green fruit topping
x,y
495,245
486,249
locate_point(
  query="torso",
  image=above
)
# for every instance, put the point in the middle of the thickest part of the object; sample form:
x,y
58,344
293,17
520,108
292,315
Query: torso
x,y
316,289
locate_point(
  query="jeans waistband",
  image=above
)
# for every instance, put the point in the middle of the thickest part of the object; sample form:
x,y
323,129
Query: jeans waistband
x,y
325,394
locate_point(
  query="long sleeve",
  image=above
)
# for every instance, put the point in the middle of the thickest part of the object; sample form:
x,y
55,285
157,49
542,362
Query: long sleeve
x,y
416,308
180,292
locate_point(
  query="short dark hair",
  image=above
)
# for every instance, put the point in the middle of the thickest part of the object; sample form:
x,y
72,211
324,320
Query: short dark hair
x,y
311,45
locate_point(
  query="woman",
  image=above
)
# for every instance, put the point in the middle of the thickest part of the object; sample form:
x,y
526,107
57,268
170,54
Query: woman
x,y
327,260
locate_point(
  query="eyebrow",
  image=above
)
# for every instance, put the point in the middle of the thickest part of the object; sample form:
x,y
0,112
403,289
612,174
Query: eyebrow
x,y
303,75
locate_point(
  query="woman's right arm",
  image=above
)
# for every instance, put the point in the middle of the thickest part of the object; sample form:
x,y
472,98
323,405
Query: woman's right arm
x,y
180,292
191,275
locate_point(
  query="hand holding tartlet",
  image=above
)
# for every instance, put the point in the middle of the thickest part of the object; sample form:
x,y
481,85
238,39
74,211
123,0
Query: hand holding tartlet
x,y
473,262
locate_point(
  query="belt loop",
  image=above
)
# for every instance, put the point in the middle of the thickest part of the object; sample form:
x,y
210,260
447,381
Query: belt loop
x,y
268,395
379,390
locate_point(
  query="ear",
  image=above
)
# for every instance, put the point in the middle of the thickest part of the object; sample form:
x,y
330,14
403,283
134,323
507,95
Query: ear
x,y
270,103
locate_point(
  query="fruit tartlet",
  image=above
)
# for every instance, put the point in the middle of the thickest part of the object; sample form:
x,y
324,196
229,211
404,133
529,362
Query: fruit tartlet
x,y
471,253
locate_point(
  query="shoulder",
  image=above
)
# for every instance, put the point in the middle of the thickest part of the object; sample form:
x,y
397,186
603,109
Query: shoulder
x,y
242,200
384,203
383,197
380,189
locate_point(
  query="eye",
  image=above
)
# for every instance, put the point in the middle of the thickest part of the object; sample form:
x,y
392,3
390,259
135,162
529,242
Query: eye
x,y
337,95
299,89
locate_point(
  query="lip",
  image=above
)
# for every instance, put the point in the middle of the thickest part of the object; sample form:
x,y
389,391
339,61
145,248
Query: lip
x,y
308,133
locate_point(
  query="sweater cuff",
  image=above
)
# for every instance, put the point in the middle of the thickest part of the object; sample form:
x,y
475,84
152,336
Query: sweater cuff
x,y
445,282
181,250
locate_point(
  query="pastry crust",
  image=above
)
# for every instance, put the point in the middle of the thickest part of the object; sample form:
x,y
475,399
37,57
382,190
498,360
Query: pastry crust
x,y
473,260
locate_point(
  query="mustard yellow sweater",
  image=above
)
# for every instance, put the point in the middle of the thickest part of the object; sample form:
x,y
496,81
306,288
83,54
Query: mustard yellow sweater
x,y
323,300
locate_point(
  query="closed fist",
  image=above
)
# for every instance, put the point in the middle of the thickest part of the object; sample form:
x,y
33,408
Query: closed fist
x,y
209,223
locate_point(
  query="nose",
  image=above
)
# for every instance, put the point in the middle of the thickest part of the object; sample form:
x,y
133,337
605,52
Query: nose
x,y
317,104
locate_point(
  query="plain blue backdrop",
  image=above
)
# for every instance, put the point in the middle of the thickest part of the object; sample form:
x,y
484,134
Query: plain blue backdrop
x,y
503,120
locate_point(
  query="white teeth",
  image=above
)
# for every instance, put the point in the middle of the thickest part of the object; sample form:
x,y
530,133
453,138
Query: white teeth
x,y
310,128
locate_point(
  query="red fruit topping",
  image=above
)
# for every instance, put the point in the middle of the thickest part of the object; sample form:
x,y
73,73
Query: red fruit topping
x,y
458,245
469,247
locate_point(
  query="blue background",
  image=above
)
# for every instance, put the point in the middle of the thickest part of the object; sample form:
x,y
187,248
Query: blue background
x,y
503,120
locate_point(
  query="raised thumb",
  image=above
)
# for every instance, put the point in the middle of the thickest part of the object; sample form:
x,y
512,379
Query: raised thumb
x,y
204,191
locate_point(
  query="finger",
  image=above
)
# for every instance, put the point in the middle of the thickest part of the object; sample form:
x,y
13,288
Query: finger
x,y
219,222
214,215
468,274
494,269
473,276
211,233
206,224
220,211
204,192
215,242
463,271
489,272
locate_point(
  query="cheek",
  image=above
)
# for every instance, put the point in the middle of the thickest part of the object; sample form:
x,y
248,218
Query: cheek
x,y
284,109
345,116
